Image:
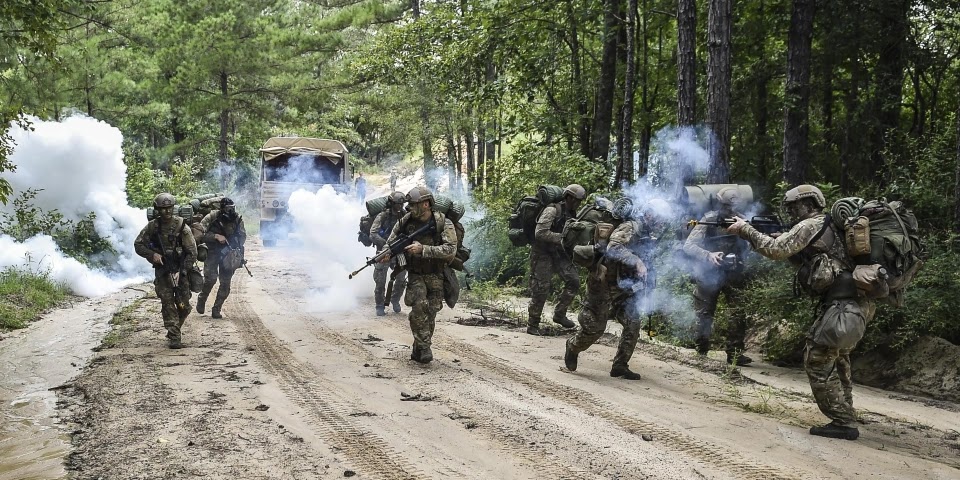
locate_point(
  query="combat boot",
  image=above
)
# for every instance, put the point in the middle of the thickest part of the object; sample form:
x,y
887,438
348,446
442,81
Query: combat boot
x,y
174,343
533,326
380,311
624,372
201,303
738,358
570,359
426,355
832,430
215,313
564,322
703,348
396,306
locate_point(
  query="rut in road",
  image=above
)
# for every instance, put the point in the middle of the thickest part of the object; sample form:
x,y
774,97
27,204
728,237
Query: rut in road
x,y
714,454
367,452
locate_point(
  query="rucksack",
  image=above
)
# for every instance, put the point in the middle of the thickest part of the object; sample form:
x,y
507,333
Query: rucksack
x,y
204,204
585,233
374,207
877,232
523,220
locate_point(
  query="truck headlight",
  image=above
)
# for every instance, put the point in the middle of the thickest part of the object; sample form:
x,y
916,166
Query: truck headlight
x,y
276,203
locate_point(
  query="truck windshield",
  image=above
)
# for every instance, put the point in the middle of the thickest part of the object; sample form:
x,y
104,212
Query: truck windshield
x,y
316,169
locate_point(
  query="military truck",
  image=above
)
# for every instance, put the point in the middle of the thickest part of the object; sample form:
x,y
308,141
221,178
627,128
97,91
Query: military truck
x,y
288,164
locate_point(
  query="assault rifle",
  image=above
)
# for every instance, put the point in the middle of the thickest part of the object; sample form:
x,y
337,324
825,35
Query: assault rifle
x,y
233,244
169,264
765,224
396,247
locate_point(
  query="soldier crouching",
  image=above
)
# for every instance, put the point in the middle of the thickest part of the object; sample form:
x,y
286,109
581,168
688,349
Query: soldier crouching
x,y
168,244
426,259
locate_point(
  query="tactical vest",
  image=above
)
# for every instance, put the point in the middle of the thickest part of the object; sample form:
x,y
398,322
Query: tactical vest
x,y
228,230
434,236
821,262
167,239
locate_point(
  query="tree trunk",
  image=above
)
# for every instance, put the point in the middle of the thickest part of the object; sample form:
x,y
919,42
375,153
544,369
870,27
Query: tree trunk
x,y
426,143
889,79
718,89
686,62
471,159
452,167
224,118
625,155
481,156
577,80
796,127
956,189
607,82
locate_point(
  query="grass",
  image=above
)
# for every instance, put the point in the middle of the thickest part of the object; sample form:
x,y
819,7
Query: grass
x,y
122,323
25,295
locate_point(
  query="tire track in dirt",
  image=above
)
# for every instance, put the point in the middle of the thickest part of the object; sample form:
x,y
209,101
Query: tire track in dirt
x,y
596,406
512,439
367,452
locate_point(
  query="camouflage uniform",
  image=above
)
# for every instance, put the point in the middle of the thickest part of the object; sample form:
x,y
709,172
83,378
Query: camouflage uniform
x,y
612,290
178,244
828,369
546,259
712,281
425,281
214,224
384,223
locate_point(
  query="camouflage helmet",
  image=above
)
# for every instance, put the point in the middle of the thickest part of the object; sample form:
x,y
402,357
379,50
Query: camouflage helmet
x,y
623,209
227,202
805,191
730,196
396,198
576,191
419,194
164,200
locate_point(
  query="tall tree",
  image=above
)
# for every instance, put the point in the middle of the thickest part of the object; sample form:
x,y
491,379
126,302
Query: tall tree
x,y
889,78
625,153
686,62
607,83
718,89
796,127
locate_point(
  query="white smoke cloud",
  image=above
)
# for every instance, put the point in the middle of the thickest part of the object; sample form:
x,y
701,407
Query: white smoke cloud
x,y
326,222
77,167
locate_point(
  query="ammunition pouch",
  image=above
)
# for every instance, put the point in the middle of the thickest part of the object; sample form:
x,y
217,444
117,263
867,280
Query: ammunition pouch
x,y
196,279
841,326
202,252
843,287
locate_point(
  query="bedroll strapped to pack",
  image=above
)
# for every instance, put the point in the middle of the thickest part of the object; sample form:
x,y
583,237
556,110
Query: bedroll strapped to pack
x,y
182,211
585,236
883,240
523,220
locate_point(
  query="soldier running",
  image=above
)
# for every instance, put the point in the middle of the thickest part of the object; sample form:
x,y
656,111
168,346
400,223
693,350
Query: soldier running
x,y
379,231
222,230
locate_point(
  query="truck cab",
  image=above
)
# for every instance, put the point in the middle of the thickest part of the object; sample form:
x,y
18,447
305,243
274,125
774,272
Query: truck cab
x,y
288,164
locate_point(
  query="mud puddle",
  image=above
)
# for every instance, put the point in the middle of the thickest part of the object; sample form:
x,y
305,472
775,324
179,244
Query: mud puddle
x,y
36,359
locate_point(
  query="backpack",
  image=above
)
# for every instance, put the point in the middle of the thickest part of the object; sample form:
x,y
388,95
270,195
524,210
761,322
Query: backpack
x,y
204,204
585,233
374,207
523,220
884,234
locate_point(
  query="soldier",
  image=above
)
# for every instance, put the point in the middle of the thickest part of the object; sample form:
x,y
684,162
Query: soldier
x,y
222,230
426,258
721,271
167,243
814,246
379,231
547,259
616,284
393,179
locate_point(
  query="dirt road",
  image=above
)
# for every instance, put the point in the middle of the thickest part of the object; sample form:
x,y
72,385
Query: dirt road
x,y
273,391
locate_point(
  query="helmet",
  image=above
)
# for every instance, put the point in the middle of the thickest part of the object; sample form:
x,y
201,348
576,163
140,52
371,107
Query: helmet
x,y
226,202
164,200
396,198
419,194
623,209
729,196
576,191
657,207
805,191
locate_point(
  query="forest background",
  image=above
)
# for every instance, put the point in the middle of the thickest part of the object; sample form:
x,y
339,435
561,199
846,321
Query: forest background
x,y
858,96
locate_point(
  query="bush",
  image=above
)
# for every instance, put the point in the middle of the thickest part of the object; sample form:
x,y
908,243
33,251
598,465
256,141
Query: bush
x,y
24,295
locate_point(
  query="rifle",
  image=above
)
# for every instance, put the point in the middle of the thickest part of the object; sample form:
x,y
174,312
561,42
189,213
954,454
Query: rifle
x,y
239,249
174,278
765,224
396,247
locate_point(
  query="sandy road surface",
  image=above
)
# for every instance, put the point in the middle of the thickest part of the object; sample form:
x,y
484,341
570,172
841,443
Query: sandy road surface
x,y
275,391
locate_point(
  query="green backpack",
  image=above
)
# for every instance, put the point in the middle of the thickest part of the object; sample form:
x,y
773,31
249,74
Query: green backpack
x,y
374,207
877,232
523,220
581,236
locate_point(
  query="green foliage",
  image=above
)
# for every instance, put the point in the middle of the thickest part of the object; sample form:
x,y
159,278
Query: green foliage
x,y
24,295
78,239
